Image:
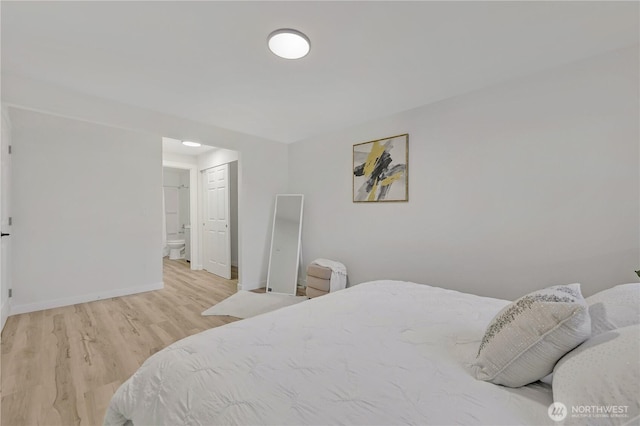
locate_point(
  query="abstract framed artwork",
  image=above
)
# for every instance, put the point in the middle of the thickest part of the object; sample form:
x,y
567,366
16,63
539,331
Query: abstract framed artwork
x,y
381,170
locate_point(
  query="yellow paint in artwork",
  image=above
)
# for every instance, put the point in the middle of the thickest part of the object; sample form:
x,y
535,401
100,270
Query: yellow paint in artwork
x,y
372,194
374,154
391,179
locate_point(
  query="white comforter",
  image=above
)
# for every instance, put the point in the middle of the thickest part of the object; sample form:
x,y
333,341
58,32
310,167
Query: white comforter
x,y
385,352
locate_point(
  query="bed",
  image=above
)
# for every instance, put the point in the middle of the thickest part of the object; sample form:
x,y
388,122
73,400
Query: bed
x,y
383,352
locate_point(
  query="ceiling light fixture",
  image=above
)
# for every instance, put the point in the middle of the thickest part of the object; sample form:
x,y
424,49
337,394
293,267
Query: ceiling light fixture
x,y
289,44
192,144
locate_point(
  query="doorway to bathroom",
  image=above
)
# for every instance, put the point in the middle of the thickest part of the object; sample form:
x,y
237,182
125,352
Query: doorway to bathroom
x,y
176,196
189,170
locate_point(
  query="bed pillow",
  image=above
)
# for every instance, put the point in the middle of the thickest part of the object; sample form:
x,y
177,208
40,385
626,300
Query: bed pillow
x,y
599,381
614,307
526,338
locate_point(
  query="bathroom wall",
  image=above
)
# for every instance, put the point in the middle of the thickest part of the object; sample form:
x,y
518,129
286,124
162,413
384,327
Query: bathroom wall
x,y
176,192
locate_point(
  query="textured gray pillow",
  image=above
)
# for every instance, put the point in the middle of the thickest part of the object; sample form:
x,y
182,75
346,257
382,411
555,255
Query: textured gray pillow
x,y
526,338
614,307
599,381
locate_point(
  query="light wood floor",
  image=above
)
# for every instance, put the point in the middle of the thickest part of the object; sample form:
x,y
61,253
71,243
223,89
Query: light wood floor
x,y
61,366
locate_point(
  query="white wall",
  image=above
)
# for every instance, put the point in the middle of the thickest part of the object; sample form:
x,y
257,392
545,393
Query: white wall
x,y
217,157
512,188
82,231
175,177
262,170
233,210
179,178
6,249
180,158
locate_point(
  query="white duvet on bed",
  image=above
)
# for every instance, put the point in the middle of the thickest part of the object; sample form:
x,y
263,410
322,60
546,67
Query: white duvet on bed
x,y
384,352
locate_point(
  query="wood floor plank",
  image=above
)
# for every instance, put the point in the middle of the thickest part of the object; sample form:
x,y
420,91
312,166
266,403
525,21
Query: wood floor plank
x,y
97,401
61,366
66,401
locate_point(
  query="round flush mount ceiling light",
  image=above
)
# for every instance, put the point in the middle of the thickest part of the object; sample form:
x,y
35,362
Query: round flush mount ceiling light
x,y
289,44
191,144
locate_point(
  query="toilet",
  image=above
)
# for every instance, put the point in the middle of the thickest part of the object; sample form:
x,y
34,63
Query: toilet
x,y
175,249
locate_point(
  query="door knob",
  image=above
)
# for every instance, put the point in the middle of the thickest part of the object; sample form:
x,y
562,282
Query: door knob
x,y
4,235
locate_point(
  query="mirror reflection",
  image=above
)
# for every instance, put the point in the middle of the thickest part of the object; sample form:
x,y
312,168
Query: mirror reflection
x,y
285,244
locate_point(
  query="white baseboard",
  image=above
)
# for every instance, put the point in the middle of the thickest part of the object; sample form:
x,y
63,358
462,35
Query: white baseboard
x,y
4,313
195,267
92,297
252,286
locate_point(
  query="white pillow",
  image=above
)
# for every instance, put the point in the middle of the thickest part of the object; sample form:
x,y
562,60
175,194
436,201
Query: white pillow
x,y
615,307
599,381
525,340
612,308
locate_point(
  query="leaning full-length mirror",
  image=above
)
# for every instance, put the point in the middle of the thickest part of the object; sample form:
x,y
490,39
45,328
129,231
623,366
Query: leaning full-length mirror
x,y
285,244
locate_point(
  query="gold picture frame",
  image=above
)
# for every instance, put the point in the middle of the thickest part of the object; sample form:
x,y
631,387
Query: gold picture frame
x,y
381,170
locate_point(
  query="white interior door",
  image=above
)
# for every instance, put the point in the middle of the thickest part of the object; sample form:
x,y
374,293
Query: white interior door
x,y
216,241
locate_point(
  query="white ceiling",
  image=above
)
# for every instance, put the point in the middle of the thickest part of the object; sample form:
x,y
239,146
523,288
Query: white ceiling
x,y
209,61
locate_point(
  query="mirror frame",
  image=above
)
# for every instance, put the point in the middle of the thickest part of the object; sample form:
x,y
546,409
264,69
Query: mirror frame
x,y
299,249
